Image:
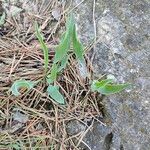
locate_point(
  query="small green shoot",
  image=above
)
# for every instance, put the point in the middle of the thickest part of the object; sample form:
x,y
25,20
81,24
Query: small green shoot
x,y
77,45
53,74
107,86
53,92
96,84
79,52
63,47
21,84
61,57
63,63
43,46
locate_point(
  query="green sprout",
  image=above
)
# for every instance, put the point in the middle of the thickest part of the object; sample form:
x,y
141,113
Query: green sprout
x,y
21,84
43,46
107,86
60,61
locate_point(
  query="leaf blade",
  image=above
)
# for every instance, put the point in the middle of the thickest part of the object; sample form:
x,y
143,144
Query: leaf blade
x,y
64,45
53,74
112,89
77,45
106,87
62,48
21,84
63,63
54,93
43,46
98,84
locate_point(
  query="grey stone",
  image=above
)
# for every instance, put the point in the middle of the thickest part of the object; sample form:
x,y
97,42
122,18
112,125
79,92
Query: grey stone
x,y
123,30
74,127
99,137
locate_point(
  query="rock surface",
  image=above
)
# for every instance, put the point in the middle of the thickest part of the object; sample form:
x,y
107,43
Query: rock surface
x,y
123,29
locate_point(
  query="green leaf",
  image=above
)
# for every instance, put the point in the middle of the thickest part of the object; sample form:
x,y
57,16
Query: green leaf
x,y
55,69
77,45
21,84
2,19
111,89
63,64
43,46
54,93
106,87
70,25
63,47
53,74
98,84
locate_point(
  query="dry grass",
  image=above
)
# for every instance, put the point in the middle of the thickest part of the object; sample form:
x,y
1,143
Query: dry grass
x,y
21,57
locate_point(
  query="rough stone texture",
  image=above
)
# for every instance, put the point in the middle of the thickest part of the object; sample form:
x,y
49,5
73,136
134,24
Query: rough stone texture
x,y
123,29
75,127
100,137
